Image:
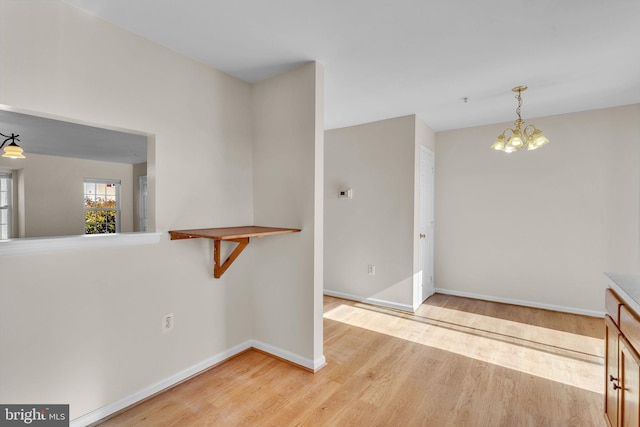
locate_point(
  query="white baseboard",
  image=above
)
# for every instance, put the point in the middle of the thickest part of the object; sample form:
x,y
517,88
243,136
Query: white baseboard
x,y
372,301
313,365
121,404
563,309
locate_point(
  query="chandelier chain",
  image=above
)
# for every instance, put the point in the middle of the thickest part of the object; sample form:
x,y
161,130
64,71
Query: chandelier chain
x,y
519,98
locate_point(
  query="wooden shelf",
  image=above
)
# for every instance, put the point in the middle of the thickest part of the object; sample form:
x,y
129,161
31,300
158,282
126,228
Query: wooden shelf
x,y
239,235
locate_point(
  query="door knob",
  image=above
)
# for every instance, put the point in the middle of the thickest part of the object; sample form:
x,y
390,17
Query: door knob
x,y
616,386
422,236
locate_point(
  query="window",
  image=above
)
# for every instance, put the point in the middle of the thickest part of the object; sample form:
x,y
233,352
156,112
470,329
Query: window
x,y
5,205
101,206
142,209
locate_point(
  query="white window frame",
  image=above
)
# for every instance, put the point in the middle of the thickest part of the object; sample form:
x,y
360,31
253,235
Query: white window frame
x,y
7,229
142,202
117,184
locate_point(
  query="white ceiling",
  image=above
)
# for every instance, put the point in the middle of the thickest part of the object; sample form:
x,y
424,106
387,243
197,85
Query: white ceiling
x,y
386,58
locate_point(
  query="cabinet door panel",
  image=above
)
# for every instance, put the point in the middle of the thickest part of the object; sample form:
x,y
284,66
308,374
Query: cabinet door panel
x,y
629,369
611,372
629,326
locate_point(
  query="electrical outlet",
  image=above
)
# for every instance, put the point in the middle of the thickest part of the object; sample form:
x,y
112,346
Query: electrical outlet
x,y
372,270
167,322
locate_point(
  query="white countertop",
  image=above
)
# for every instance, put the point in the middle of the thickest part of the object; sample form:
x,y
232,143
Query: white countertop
x,y
627,286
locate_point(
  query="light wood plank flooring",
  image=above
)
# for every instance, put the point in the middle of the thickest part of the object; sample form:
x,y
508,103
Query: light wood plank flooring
x,y
455,362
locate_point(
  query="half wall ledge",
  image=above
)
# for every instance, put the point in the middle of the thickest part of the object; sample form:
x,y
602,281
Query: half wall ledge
x,y
44,245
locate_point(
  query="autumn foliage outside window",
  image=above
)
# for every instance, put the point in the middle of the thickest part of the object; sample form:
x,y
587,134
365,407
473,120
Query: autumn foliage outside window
x,y
101,206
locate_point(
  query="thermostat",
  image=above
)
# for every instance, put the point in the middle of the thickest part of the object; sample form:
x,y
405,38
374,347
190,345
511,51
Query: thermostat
x,y
346,194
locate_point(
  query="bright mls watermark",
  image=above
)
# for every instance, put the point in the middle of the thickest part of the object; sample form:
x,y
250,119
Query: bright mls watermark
x,y
34,415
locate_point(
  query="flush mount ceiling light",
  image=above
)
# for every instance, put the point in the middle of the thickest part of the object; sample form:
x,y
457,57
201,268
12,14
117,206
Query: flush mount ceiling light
x,y
12,150
530,136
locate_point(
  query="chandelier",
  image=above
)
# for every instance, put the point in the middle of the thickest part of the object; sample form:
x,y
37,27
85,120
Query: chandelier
x,y
530,136
11,150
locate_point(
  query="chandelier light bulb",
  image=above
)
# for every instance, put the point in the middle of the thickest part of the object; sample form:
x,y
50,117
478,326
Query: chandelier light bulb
x,y
499,143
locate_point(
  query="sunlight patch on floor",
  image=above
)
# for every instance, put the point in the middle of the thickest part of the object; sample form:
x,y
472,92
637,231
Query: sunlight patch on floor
x,y
560,356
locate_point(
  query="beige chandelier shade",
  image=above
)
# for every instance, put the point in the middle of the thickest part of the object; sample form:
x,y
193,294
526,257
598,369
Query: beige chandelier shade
x,y
12,149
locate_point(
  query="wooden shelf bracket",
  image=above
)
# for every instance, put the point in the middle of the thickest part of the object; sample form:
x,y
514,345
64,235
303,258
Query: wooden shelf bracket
x,y
239,235
219,269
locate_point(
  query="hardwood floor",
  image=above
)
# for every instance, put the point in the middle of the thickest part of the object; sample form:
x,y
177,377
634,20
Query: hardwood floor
x,y
455,362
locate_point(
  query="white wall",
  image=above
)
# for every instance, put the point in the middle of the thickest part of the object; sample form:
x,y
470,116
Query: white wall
x,y
542,226
84,327
377,227
52,193
288,171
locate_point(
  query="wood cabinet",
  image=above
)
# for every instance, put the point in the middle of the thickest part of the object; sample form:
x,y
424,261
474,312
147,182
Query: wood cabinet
x,y
622,363
611,371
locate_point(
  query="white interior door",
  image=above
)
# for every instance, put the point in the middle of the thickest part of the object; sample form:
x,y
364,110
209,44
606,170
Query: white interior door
x,y
426,227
